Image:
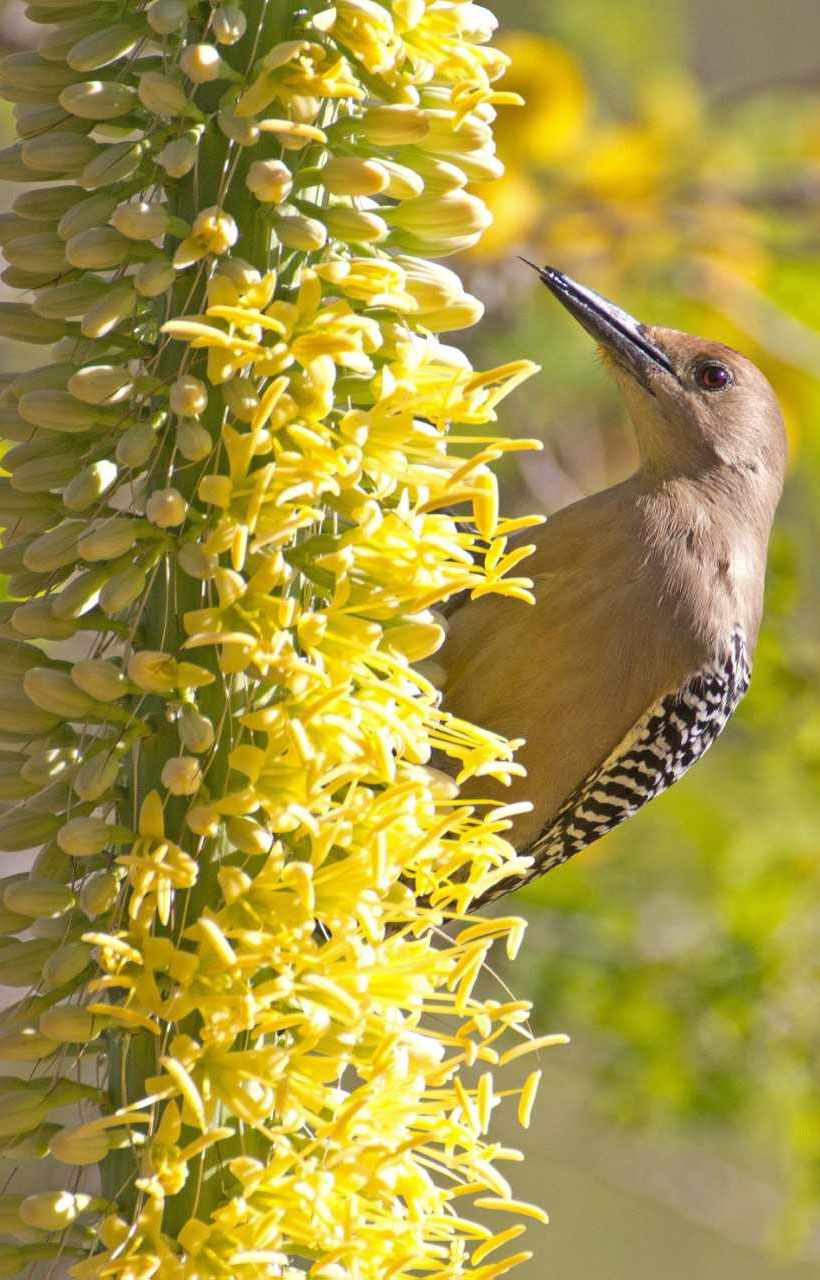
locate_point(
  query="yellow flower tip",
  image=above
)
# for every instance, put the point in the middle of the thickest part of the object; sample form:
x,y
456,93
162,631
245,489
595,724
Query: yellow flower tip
x,y
182,775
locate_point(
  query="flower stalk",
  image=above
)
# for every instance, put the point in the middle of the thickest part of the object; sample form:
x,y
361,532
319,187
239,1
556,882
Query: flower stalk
x,y
228,526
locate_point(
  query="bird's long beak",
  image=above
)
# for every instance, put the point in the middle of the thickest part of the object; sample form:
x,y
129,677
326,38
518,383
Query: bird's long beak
x,y
615,330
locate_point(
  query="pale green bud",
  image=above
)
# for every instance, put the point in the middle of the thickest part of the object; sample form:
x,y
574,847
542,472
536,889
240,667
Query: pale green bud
x,y
166,508
241,397
42,474
36,897
141,220
30,71
178,157
103,46
12,166
26,1045
80,1145
32,119
66,964
35,620
353,176
228,24
12,227
154,278
202,63
297,231
196,731
91,484
97,775
69,1024
269,180
196,561
99,99
43,251
136,445
80,595
57,411
101,384
44,204
110,540
86,214
22,967
54,549
84,837
102,681
193,440
99,893
117,305
122,590
167,16
26,831
98,249
162,94
356,225
53,1210
114,164
19,718
240,129
55,692
58,41
18,323
394,125
68,301
59,152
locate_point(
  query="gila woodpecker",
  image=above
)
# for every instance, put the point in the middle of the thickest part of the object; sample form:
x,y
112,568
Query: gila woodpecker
x,y
648,596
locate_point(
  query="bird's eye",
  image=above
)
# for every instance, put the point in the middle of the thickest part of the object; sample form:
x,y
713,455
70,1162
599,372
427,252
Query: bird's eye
x,y
713,376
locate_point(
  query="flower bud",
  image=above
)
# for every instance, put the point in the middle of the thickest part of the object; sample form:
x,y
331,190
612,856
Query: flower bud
x,y
202,63
403,183
157,672
53,1210
19,323
66,964
141,220
188,396
103,46
35,620
98,249
38,898
193,440
241,397
70,1024
249,836
98,893
25,1045
297,231
56,411
47,765
26,831
166,508
269,180
98,99
89,485
354,176
394,125
122,589
97,775
154,278
103,681
55,691
44,204
42,251
67,301
101,384
114,164
161,94
216,229
54,549
355,225
228,24
83,1143
110,540
136,445
182,775
196,731
84,837
178,157
85,215
167,16
194,560
59,152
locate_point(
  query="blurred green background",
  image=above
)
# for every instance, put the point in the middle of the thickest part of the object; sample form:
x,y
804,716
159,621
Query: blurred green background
x,y
669,156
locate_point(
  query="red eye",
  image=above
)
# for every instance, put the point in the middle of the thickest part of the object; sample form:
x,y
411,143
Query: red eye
x,y
713,376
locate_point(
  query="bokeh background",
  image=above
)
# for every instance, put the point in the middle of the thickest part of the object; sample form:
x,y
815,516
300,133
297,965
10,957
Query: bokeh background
x,y
669,155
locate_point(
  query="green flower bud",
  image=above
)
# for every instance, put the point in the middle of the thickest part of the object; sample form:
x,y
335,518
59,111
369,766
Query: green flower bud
x,y
44,204
196,731
53,1210
55,692
228,24
43,251
135,446
35,620
22,965
12,166
69,1024
167,16
83,837
154,278
99,893
68,301
202,64
65,965
31,896
112,309
19,718
25,1045
59,152
181,776
166,508
26,830
356,225
80,595
98,249
113,165
299,232
196,562
42,474
58,411
141,221
54,549
245,132
86,214
102,681
99,99
394,125
80,1145
249,836
162,94
269,180
103,46
19,324
241,397
122,590
101,384
178,157
193,440
97,775
30,71
110,540
92,483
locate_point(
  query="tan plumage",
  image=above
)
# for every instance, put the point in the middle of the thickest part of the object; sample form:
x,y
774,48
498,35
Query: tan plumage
x,y
639,588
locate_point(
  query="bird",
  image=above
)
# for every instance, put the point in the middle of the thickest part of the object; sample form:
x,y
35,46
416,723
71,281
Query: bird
x,y
648,597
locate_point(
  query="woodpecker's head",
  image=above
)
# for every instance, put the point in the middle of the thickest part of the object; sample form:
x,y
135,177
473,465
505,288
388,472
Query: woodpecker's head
x,y
697,406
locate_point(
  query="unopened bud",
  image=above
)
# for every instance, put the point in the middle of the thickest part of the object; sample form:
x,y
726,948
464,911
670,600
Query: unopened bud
x,y
101,384
38,898
157,672
122,589
154,278
141,220
98,249
69,1024
188,396
53,1210
98,99
269,180
194,560
56,411
228,24
161,94
54,549
41,251
356,225
182,775
81,1144
203,63
394,125
66,964
178,157
54,691
59,152
112,539
97,775
167,16
26,832
166,508
193,440
297,231
196,731
136,445
102,681
98,893
116,163
354,176
242,130
25,1045
115,306
91,484
86,214
249,836
85,837
107,44
241,397
216,229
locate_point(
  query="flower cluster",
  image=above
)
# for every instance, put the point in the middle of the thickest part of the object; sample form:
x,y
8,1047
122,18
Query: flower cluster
x,y
228,523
